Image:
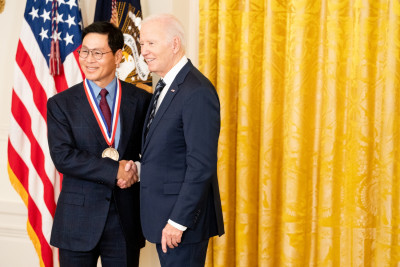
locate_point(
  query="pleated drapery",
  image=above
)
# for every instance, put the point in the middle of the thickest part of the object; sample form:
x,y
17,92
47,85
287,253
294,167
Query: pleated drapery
x,y
309,150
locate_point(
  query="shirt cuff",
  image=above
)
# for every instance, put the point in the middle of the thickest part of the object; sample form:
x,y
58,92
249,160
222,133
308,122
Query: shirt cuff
x,y
138,169
177,225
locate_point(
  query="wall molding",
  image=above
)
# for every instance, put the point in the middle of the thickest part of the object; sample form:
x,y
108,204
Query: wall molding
x,y
14,233
13,218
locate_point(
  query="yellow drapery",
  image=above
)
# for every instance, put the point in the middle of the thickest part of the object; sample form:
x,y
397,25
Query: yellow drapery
x,y
309,150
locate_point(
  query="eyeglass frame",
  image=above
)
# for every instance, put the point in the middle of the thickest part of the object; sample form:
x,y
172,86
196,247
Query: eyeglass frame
x,y
90,51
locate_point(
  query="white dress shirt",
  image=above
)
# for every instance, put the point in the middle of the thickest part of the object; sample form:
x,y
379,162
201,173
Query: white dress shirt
x,y
169,78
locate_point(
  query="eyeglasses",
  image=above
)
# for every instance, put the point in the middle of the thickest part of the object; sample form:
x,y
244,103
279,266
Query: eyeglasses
x,y
96,53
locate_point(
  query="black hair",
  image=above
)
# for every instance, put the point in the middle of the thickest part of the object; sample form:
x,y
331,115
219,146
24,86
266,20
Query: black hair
x,y
115,36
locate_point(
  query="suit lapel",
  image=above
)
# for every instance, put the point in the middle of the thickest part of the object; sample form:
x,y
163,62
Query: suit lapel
x,y
127,115
82,104
172,92
144,140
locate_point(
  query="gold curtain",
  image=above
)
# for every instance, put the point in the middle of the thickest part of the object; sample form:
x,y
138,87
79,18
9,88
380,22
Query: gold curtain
x,y
309,150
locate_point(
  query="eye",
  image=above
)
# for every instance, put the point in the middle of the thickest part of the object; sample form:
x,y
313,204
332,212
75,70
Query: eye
x,y
97,53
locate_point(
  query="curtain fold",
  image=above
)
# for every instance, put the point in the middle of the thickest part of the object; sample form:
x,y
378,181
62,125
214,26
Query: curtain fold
x,y
309,150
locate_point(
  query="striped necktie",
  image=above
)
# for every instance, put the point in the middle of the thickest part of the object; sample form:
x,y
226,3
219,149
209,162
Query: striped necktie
x,y
160,85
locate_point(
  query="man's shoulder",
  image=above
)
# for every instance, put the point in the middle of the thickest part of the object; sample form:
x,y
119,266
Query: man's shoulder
x,y
133,90
75,90
195,81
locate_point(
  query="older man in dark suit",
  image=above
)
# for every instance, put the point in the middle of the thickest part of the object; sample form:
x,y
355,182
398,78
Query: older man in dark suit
x,y
93,129
180,201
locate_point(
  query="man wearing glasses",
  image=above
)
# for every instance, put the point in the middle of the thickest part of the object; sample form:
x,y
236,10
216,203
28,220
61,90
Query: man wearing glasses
x,y
94,129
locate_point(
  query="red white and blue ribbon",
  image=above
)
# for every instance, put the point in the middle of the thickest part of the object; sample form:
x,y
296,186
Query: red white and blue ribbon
x,y
108,135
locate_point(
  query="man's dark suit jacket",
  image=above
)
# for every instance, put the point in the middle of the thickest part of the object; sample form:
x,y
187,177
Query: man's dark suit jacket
x,y
89,181
179,161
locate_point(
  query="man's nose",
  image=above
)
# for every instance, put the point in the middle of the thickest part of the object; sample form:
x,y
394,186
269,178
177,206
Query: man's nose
x,y
144,51
90,57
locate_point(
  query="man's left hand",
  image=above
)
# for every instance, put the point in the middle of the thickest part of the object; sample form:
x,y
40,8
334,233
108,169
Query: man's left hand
x,y
171,237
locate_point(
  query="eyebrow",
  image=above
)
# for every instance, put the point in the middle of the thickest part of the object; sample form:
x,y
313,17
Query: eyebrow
x,y
96,48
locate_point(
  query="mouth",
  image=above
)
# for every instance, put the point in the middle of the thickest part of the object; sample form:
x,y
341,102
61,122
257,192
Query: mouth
x,y
91,68
148,60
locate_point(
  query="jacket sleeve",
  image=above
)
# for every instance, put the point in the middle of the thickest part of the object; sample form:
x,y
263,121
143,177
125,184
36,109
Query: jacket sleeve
x,y
201,126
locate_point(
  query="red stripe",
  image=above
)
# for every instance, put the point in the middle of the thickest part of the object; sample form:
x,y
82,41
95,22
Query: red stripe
x,y
23,118
18,166
25,64
76,55
60,81
35,219
21,171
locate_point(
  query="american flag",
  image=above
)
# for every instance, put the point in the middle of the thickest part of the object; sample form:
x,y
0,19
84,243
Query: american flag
x,y
30,168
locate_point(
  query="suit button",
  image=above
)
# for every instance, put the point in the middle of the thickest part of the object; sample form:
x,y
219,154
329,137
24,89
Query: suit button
x,y
108,199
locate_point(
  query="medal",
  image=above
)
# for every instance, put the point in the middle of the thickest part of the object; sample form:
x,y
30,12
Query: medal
x,y
108,134
111,153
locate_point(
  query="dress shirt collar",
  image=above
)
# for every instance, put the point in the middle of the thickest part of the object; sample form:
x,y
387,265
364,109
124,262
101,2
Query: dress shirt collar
x,y
170,76
110,88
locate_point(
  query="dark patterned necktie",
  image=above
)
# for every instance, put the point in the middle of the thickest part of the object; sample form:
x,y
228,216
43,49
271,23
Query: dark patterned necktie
x,y
160,85
105,108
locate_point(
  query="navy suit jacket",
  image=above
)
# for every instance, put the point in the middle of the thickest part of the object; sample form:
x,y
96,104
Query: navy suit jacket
x,y
179,161
89,181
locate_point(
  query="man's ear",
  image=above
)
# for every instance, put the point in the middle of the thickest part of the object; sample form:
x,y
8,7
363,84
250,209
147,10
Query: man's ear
x,y
176,44
118,57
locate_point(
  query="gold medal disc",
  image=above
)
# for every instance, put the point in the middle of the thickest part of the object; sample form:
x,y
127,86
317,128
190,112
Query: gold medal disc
x,y
111,153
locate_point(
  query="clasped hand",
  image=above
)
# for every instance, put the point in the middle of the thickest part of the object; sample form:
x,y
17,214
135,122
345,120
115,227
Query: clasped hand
x,y
127,174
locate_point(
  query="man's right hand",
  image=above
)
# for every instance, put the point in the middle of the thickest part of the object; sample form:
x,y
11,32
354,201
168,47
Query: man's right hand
x,y
127,174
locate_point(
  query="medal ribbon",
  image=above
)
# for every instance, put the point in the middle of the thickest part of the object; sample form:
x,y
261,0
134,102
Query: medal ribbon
x,y
108,135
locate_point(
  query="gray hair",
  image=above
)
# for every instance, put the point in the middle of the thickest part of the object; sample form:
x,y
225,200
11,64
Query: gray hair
x,y
172,26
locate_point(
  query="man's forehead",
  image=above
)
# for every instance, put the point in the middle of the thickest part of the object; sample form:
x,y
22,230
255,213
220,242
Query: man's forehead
x,y
97,36
97,39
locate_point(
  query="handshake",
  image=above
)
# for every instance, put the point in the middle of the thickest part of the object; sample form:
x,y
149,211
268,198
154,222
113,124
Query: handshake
x,y
127,174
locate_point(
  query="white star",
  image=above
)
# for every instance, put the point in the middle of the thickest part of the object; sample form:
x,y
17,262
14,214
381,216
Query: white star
x,y
59,17
45,15
68,39
34,13
71,3
48,1
43,33
56,35
70,21
60,2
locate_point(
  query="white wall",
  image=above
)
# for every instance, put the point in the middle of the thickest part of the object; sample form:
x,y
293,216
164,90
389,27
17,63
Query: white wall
x,y
16,249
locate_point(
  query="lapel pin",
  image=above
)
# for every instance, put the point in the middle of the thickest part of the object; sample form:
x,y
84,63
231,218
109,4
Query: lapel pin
x,y
173,90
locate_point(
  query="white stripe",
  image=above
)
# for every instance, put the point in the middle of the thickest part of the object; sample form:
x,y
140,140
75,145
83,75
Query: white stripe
x,y
38,124
116,103
41,68
22,146
57,187
72,71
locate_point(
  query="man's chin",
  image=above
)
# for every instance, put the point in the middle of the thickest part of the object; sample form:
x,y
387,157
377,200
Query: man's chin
x,y
90,76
